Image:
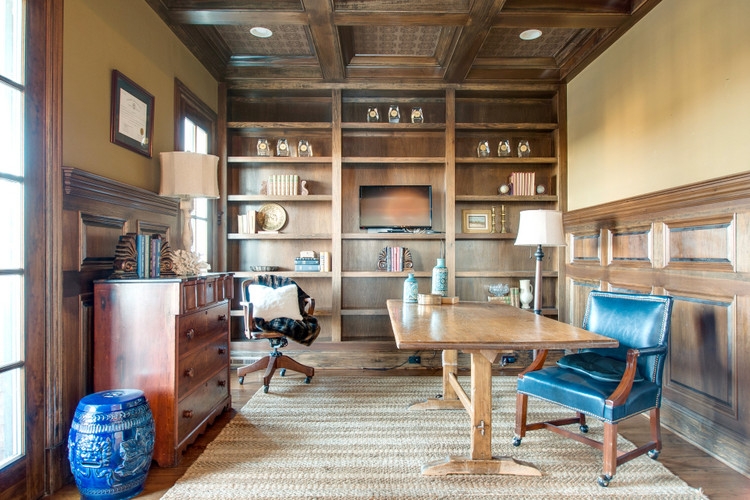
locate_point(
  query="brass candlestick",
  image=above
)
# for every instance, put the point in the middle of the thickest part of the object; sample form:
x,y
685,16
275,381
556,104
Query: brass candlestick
x,y
493,221
502,219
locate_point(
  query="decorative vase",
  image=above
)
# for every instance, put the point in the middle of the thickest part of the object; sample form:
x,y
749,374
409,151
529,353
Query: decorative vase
x,y
411,289
111,443
527,293
440,278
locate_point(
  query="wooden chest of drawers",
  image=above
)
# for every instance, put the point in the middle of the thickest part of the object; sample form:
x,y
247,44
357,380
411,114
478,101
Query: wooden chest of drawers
x,y
168,337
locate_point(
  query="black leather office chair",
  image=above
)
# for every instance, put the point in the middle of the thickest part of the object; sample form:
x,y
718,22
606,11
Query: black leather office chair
x,y
608,384
291,311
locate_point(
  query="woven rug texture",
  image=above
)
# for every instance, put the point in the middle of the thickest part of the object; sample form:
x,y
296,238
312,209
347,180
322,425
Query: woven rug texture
x,y
354,438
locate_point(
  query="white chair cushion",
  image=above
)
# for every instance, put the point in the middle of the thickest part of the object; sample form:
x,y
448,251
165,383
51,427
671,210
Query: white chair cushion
x,y
270,303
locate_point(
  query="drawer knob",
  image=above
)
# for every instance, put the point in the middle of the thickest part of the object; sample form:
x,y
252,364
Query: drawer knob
x,y
190,372
187,414
222,317
190,334
222,383
222,350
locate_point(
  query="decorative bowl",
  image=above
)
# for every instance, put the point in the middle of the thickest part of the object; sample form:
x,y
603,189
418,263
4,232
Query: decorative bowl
x,y
263,269
499,289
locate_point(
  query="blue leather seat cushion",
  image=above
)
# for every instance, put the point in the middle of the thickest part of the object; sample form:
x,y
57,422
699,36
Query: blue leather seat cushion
x,y
587,395
593,364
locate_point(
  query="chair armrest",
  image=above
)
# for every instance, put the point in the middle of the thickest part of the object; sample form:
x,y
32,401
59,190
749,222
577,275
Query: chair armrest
x,y
309,306
621,393
652,351
247,312
536,364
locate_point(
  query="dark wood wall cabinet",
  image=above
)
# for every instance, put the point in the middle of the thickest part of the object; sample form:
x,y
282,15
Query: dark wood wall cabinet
x,y
169,338
691,243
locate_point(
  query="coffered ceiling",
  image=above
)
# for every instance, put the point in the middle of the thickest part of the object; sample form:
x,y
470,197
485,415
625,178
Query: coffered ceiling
x,y
398,41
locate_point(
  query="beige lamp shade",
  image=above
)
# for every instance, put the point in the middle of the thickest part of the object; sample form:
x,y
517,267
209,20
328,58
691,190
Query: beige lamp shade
x,y
188,175
540,227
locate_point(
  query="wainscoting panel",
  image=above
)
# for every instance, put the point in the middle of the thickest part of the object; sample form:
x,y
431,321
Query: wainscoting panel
x,y
648,244
96,211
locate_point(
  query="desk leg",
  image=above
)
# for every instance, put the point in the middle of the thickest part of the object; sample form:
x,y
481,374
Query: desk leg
x,y
449,400
481,460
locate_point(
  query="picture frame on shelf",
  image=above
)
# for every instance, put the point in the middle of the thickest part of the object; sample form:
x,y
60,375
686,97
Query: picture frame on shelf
x,y
476,221
131,115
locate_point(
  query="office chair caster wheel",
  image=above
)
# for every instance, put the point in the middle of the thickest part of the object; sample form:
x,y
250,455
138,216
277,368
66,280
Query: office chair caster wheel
x,y
265,389
282,372
584,428
604,480
308,379
516,441
241,380
653,454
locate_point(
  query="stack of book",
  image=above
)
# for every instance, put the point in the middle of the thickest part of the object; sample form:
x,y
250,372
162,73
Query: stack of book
x,y
523,183
512,299
246,222
282,185
306,264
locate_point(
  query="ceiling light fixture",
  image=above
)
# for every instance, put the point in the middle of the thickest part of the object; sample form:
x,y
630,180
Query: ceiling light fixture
x,y
530,34
261,32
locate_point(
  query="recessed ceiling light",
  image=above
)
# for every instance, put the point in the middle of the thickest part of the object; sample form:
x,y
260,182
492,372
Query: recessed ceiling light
x,y
530,34
261,32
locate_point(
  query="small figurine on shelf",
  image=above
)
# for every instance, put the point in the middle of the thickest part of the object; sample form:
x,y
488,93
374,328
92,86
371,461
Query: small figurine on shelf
x,y
262,148
373,115
524,150
394,115
503,148
483,149
282,147
304,148
416,115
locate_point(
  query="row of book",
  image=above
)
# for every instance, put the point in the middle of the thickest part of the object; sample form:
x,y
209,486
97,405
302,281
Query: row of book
x,y
522,183
282,185
246,223
148,260
394,258
513,298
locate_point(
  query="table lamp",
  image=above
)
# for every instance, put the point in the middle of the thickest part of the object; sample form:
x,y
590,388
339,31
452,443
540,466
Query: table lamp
x,y
187,176
540,228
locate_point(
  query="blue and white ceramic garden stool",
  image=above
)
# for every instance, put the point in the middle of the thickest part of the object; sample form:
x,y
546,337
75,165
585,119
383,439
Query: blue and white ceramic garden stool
x,y
111,443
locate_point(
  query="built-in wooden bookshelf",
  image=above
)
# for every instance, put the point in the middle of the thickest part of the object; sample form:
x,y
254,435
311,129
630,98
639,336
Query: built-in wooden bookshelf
x,y
350,151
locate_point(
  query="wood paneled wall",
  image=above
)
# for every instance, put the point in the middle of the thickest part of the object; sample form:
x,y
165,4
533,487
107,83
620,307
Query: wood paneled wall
x,y
693,243
96,211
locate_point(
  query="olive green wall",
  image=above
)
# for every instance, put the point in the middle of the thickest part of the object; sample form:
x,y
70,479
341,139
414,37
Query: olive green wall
x,y
668,104
127,35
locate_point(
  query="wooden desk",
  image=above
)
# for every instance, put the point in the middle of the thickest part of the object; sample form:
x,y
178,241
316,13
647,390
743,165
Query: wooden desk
x,y
483,330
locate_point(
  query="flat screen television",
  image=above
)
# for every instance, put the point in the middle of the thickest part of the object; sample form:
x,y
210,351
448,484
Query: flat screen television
x,y
395,207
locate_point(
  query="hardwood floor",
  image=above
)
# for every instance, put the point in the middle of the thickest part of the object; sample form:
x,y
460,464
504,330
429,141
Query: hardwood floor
x,y
695,467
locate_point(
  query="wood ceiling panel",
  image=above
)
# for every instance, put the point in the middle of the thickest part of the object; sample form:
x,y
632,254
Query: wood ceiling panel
x,y
420,41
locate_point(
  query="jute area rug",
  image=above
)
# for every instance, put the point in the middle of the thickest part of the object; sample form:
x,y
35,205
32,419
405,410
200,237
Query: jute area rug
x,y
354,438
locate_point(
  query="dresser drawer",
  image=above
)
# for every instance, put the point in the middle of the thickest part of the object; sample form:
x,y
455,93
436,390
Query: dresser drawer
x,y
195,328
193,410
193,369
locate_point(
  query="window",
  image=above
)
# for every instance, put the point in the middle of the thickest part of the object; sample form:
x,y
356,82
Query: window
x,y
12,287
195,140
195,131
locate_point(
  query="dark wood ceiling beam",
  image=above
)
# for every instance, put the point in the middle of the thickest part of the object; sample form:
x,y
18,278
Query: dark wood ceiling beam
x,y
516,62
250,73
377,63
471,38
559,20
393,74
374,18
325,38
236,16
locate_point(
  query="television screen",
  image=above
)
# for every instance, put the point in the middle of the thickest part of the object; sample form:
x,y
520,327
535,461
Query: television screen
x,y
390,207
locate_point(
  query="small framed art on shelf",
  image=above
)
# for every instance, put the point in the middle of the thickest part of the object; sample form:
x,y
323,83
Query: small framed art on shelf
x,y
476,221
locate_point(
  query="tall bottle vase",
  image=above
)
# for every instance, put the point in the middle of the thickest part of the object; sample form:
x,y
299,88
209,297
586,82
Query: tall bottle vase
x,y
411,289
440,278
527,293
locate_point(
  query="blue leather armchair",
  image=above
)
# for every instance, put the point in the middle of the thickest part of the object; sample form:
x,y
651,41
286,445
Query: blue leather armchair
x,y
608,384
